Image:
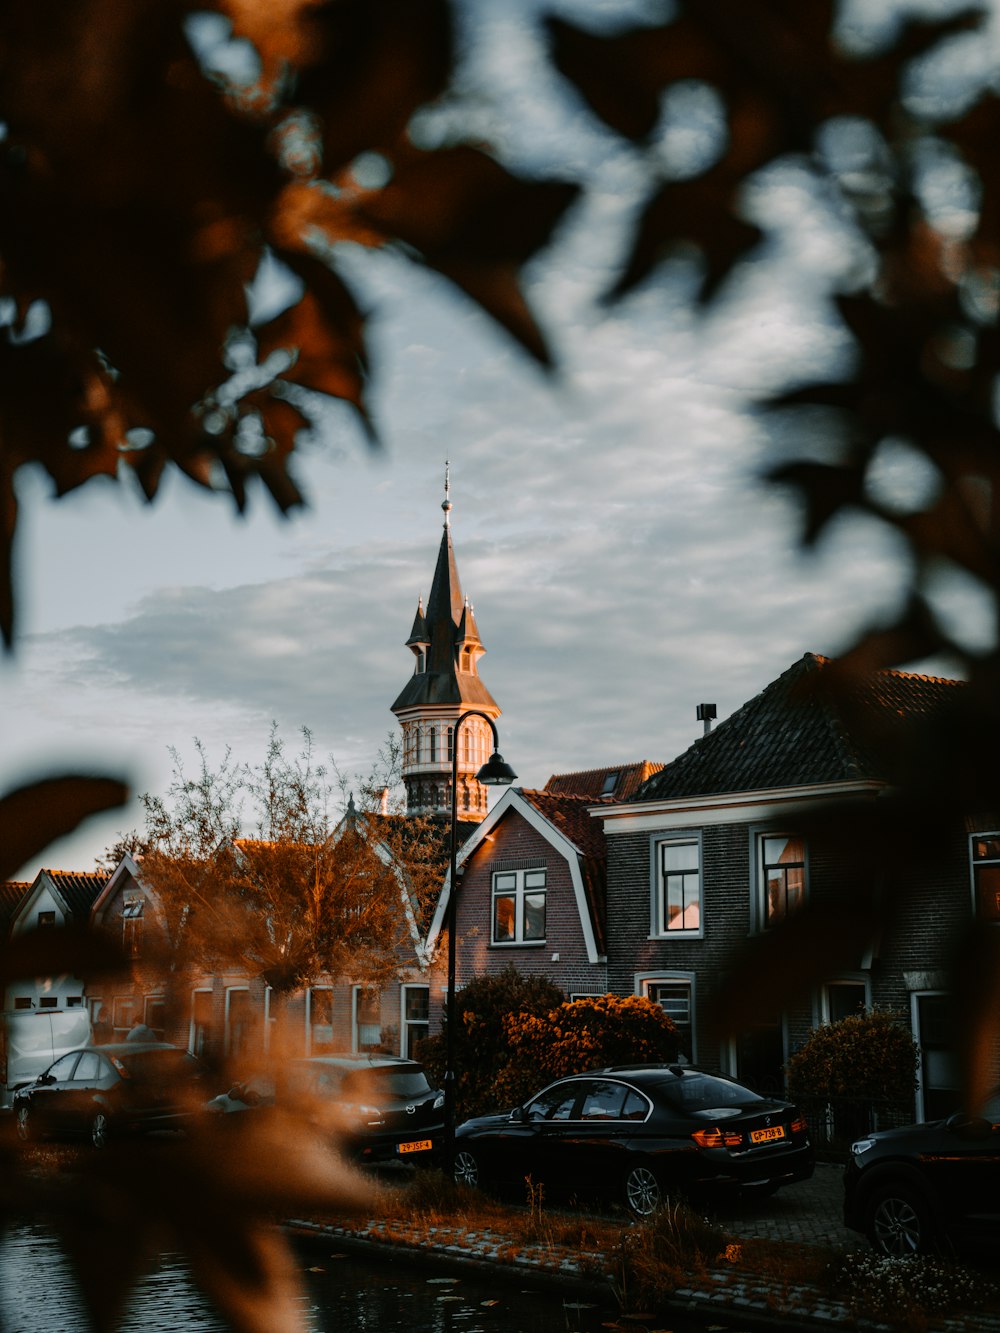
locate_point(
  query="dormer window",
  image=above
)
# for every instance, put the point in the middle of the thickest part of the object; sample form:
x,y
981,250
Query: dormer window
x,y
610,783
421,666
45,920
132,927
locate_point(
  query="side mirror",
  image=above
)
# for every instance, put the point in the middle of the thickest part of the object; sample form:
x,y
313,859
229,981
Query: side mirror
x,y
46,1078
517,1115
972,1127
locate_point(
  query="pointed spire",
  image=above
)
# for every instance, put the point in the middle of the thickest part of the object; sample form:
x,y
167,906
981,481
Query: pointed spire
x,y
446,502
419,635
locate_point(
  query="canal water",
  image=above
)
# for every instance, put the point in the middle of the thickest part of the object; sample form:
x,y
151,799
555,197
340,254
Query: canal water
x,y
341,1294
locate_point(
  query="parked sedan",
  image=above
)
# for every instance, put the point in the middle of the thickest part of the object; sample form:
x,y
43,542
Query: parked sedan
x,y
913,1189
380,1108
636,1133
97,1092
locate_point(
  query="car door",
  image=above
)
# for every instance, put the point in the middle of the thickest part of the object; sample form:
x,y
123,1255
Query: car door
x,y
537,1140
49,1096
78,1097
596,1143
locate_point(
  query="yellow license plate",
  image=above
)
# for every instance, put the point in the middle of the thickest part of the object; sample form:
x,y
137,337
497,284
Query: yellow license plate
x,y
418,1145
766,1135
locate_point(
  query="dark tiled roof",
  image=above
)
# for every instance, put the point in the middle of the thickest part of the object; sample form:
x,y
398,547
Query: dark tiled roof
x,y
78,891
11,896
569,815
592,781
807,728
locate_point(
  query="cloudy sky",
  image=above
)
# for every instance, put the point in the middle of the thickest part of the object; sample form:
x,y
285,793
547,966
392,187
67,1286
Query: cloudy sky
x,y
622,559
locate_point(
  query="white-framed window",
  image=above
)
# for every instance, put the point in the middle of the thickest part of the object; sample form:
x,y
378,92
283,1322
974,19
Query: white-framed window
x,y
132,920
200,1036
781,876
676,878
674,993
319,1020
985,860
367,1019
415,1014
842,998
237,1019
518,911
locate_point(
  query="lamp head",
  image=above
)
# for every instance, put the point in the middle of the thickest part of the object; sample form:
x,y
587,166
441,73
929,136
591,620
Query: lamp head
x,y
496,772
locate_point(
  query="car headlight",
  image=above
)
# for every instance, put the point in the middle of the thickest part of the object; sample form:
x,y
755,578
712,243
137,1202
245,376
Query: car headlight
x,y
862,1145
438,1101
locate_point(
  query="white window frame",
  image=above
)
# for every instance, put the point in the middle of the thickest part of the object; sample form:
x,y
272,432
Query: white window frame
x,y
843,979
645,981
310,992
758,880
405,1023
230,992
521,889
356,1046
658,929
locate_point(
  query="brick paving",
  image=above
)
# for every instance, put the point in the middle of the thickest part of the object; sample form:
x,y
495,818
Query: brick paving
x,y
808,1213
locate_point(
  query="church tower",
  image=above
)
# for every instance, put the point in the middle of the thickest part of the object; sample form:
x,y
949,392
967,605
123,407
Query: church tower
x,y
445,683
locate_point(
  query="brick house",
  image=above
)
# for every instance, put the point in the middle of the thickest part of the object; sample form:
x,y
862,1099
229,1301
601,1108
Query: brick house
x,y
531,895
705,856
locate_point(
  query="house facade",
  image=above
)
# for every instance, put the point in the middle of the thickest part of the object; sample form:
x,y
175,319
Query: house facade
x,y
712,852
531,895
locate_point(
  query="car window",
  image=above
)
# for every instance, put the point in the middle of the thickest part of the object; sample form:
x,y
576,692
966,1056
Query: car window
x,y
636,1107
63,1067
169,1065
89,1068
555,1103
991,1111
391,1081
603,1101
704,1092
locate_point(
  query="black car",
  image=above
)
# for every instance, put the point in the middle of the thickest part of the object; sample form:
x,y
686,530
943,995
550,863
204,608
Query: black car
x,y
638,1132
100,1091
914,1189
380,1108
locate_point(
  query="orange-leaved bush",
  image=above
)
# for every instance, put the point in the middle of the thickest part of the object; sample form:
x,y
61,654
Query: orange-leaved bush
x,y
869,1054
587,1034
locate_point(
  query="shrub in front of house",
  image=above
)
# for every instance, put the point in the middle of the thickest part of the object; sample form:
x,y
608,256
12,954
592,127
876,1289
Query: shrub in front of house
x,y
856,1071
583,1034
482,1048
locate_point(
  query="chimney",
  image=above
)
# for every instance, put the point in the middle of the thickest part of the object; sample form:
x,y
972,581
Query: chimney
x,y
706,714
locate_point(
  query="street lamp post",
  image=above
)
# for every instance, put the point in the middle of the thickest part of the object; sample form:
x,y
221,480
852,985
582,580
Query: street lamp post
x,y
494,773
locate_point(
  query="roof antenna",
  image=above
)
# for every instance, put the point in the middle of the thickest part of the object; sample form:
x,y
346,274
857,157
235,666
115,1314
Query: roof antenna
x,y
446,503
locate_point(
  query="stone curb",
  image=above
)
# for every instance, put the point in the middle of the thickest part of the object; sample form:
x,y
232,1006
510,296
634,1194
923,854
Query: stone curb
x,y
759,1303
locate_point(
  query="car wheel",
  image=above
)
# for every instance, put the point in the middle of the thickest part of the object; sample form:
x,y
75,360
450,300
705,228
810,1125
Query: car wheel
x,y
643,1195
100,1130
467,1168
898,1222
23,1121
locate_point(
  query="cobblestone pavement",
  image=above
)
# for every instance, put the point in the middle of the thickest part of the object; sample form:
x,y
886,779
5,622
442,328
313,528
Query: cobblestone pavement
x,y
810,1212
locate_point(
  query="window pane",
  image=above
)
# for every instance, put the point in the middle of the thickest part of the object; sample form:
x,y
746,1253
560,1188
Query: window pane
x,y
603,1102
534,916
680,856
503,918
988,891
418,1004
555,1103
88,1069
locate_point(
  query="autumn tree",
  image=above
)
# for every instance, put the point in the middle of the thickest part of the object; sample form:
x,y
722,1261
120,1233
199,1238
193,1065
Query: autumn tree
x,y
256,870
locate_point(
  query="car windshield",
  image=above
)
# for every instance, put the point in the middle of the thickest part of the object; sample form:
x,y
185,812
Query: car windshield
x,y
703,1092
387,1082
154,1066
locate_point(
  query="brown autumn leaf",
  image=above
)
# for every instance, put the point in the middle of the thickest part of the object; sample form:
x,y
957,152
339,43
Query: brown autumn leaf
x,y
474,221
33,816
326,328
59,950
826,490
770,971
370,65
700,210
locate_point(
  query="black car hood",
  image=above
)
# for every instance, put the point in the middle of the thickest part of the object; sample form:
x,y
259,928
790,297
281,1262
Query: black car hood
x,y
484,1122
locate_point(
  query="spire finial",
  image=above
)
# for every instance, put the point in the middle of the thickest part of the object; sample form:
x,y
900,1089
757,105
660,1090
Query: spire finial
x,y
446,503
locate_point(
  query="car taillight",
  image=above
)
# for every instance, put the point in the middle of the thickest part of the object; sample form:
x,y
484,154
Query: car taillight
x,y
717,1138
799,1125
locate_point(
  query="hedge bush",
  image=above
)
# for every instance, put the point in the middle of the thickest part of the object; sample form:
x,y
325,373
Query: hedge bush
x,y
869,1055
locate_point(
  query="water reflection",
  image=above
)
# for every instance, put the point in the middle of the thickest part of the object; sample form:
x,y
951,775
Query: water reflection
x,y
341,1293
